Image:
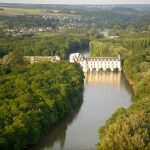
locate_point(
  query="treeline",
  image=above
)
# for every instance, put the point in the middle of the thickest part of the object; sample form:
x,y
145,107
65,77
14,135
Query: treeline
x,y
33,98
28,21
137,70
123,44
120,17
130,128
129,32
137,44
60,45
99,49
98,17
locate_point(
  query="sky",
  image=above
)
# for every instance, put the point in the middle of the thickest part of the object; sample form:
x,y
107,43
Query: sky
x,y
78,1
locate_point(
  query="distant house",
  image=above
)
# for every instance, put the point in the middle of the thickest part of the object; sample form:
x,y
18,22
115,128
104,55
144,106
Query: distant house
x,y
34,59
112,37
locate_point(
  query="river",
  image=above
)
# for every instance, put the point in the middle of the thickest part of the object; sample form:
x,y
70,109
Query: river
x,y
105,32
104,92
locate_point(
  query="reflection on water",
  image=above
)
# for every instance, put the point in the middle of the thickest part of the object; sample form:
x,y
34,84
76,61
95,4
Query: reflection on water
x,y
56,137
104,93
103,78
84,53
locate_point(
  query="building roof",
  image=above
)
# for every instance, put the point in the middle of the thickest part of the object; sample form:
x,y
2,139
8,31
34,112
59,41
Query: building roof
x,y
100,58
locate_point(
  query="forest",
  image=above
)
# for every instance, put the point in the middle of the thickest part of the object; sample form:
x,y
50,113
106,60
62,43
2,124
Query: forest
x,y
28,21
34,98
99,49
61,45
130,128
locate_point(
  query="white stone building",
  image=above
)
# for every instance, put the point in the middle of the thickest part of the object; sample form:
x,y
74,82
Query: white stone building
x,y
97,63
34,59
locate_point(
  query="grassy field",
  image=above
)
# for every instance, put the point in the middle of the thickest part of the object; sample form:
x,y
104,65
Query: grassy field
x,y
53,33
19,11
11,11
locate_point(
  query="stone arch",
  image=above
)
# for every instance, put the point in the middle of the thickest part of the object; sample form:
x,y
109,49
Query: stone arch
x,y
94,70
116,69
101,69
108,69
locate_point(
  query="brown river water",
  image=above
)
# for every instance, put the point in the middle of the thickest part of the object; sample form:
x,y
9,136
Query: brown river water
x,y
104,92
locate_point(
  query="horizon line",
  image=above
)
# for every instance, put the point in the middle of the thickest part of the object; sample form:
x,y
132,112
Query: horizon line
x,y
76,3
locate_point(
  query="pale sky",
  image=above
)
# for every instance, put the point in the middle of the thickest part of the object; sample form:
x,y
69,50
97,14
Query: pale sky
x,y
78,1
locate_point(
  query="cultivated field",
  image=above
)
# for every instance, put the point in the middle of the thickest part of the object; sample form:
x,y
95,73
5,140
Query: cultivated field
x,y
12,11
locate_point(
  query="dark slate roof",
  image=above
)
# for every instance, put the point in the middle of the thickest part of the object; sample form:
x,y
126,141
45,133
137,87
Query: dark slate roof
x,y
102,58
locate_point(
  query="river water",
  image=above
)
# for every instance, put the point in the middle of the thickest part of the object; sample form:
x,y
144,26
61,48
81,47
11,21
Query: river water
x,y
104,92
105,32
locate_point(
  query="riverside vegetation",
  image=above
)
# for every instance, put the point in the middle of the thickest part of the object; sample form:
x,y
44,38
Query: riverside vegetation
x,y
129,128
61,45
26,102
34,98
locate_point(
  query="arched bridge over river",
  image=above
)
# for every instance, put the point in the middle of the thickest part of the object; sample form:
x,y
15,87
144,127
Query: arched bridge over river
x,y
97,63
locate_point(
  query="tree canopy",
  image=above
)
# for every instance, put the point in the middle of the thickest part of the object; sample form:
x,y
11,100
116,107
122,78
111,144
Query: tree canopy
x,y
60,45
130,128
35,97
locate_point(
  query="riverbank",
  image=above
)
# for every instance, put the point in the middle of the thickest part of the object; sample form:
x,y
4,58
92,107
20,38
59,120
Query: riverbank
x,y
36,97
130,81
129,128
79,131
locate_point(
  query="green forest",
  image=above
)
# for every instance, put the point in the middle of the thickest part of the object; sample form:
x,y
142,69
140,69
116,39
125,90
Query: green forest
x,y
33,98
130,128
60,45
36,97
99,49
